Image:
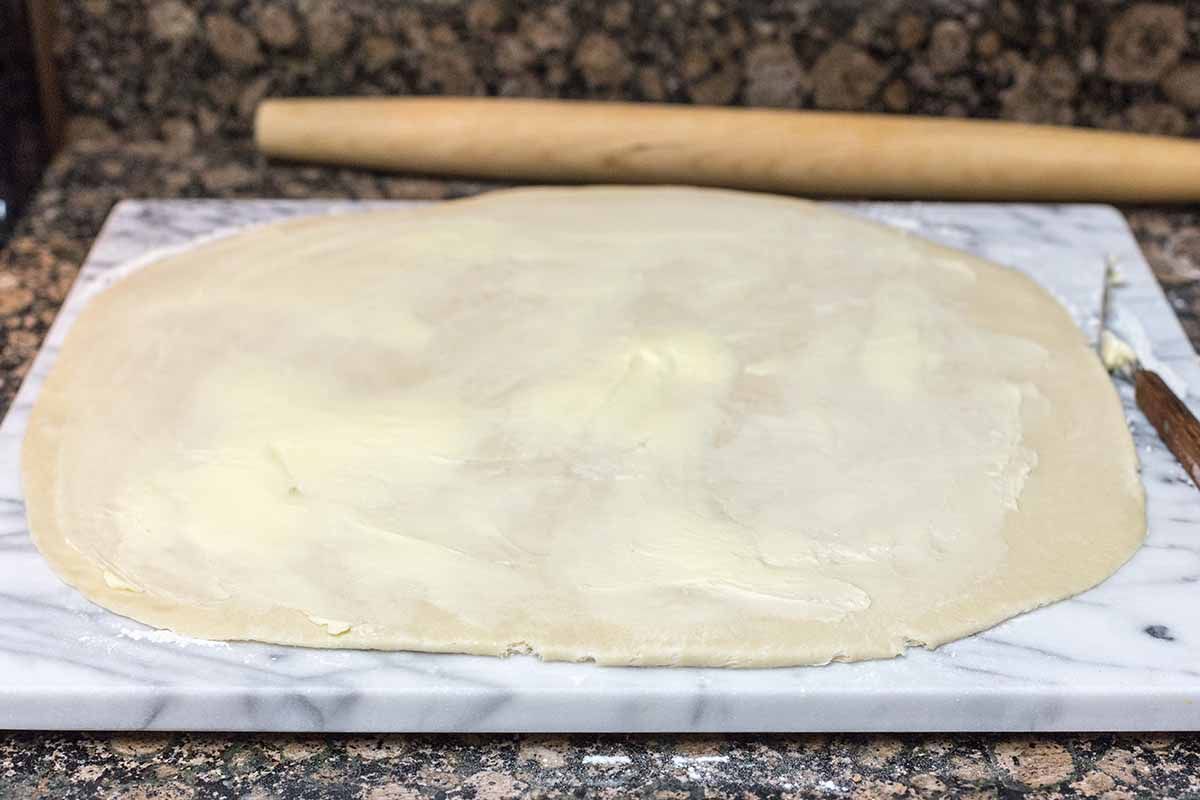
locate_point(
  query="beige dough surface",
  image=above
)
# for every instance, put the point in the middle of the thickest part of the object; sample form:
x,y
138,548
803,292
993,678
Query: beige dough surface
x,y
635,425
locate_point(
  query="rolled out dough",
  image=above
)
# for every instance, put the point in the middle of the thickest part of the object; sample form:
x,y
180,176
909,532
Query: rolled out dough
x,y
640,426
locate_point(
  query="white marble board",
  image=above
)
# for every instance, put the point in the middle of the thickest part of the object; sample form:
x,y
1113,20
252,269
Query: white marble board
x,y
1124,656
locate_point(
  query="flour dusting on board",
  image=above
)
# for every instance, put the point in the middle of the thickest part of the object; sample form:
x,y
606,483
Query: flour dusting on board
x,y
111,643
163,636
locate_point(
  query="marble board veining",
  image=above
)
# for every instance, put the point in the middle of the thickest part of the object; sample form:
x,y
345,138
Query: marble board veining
x,y
1123,656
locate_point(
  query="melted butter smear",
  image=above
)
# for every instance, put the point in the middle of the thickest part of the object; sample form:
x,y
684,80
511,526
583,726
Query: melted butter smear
x,y
623,473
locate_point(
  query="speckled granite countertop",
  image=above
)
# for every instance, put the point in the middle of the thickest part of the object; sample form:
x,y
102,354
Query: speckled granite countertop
x,y
37,269
175,767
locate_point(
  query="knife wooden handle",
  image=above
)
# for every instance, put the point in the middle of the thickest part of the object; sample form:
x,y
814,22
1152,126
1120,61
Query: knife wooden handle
x,y
1171,418
802,152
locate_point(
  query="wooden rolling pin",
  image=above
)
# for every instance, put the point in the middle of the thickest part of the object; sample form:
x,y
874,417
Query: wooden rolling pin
x,y
799,152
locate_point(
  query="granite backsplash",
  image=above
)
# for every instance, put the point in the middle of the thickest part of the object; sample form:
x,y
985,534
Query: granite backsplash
x,y
187,71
